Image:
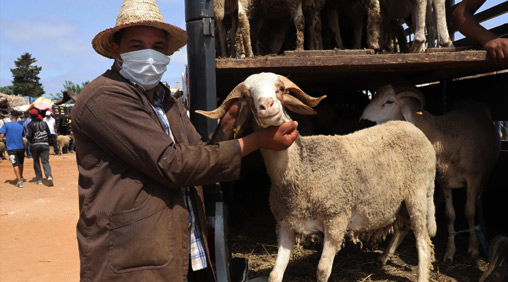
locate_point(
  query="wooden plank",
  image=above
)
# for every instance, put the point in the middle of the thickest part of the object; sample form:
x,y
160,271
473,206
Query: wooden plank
x,y
354,62
369,71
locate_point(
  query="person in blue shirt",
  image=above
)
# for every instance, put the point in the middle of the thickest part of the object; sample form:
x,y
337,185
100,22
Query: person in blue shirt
x,y
14,132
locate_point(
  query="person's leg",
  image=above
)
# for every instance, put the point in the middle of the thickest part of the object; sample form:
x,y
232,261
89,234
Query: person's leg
x,y
13,157
21,160
55,145
37,164
29,145
45,164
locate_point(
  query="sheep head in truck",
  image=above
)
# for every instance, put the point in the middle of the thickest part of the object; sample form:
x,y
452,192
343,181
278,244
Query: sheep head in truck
x,y
466,142
333,185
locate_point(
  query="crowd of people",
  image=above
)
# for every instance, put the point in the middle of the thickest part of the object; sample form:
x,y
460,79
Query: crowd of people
x,y
38,133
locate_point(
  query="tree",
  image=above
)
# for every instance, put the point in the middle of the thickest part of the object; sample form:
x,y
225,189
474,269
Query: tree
x,y
26,80
69,86
9,90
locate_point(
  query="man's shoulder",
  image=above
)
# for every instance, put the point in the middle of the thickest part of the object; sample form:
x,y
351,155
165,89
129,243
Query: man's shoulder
x,y
13,125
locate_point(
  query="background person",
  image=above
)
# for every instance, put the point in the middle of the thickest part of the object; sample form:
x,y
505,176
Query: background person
x,y
52,128
141,161
464,20
38,133
14,132
27,120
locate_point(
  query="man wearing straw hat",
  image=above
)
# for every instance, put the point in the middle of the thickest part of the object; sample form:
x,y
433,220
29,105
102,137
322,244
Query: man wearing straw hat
x,y
141,162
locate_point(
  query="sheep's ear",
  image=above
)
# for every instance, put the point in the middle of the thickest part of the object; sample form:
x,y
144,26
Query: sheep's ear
x,y
297,92
410,105
242,119
411,92
234,95
296,106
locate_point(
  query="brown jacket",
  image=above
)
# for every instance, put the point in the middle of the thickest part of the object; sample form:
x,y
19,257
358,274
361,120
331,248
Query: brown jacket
x,y
133,224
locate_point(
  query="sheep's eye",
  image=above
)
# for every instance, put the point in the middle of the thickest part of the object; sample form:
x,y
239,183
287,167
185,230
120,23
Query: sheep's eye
x,y
281,89
389,102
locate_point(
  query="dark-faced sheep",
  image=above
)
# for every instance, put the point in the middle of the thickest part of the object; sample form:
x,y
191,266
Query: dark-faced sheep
x,y
466,143
359,186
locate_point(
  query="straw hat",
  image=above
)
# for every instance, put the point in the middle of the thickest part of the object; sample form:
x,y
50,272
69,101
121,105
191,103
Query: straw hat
x,y
136,13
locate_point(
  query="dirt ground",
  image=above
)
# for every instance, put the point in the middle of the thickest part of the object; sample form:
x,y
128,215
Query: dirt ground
x,y
38,239
38,223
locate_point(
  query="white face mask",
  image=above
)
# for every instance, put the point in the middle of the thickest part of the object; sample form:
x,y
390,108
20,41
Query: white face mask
x,y
144,67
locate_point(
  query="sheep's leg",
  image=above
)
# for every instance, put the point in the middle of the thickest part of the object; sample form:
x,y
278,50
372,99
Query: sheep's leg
x,y
236,45
450,215
442,29
331,246
299,21
419,38
221,40
244,28
431,26
257,25
357,32
278,37
418,215
395,241
333,23
218,11
286,239
473,188
424,247
373,24
314,28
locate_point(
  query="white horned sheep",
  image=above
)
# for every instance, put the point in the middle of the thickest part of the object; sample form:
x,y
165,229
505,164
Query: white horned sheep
x,y
465,140
361,186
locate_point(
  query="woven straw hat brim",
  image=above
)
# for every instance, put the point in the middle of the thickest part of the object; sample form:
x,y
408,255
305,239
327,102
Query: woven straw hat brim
x,y
177,36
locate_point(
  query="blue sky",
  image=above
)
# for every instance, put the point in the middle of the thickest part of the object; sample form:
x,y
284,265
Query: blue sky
x,y
58,34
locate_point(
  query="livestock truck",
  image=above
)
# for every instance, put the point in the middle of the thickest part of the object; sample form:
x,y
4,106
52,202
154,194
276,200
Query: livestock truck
x,y
348,77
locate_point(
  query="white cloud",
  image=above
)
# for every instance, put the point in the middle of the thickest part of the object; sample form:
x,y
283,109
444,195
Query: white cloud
x,y
35,31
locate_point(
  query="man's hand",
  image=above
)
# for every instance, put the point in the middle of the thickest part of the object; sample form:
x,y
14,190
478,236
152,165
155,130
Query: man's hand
x,y
228,122
498,50
271,138
278,138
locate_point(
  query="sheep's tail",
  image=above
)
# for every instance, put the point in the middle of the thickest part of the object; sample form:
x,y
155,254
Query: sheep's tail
x,y
431,212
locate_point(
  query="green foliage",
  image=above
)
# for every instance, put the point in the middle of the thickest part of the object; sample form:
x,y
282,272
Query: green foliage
x,y
69,86
9,90
26,80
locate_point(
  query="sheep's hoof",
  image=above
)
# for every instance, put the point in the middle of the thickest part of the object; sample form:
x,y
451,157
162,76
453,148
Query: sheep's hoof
x,y
448,260
383,259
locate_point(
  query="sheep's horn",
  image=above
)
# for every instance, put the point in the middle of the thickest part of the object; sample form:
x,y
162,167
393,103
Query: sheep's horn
x,y
236,93
297,92
412,92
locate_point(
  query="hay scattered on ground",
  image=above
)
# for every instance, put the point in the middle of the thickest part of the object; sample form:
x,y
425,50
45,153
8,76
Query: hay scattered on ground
x,y
258,244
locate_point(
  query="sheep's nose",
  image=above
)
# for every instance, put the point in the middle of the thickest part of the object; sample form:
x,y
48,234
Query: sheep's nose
x,y
364,123
266,104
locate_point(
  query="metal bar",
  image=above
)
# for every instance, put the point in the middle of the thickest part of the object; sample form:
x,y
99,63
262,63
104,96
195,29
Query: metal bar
x,y
201,60
221,247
